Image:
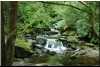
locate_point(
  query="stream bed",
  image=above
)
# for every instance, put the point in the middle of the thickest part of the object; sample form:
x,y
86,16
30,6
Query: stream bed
x,y
55,50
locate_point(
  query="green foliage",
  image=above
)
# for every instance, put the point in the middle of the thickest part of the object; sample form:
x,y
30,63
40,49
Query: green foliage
x,y
68,60
62,59
32,15
38,14
42,15
82,27
54,60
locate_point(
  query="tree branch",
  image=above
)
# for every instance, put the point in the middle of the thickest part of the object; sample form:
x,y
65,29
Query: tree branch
x,y
83,3
64,5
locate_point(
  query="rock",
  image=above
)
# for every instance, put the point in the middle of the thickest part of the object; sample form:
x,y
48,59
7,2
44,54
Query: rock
x,y
19,63
51,33
86,60
22,43
41,41
46,64
42,64
22,63
90,44
22,53
69,33
92,53
65,43
28,36
88,56
72,39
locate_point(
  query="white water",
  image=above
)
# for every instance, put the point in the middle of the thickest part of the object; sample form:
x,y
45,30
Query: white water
x,y
54,45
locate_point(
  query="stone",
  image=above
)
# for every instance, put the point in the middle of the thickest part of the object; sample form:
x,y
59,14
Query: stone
x,y
72,39
41,41
22,53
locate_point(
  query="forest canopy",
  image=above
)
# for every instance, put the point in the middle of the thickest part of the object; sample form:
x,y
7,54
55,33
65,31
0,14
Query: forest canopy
x,y
82,19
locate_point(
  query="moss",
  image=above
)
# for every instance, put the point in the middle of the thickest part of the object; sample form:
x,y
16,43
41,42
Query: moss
x,y
23,44
70,33
72,39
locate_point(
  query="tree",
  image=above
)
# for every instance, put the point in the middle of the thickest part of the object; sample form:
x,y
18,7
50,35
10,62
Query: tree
x,y
8,46
33,15
82,19
3,56
89,8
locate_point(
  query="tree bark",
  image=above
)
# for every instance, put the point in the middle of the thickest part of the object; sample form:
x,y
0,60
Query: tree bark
x,y
3,56
0,33
93,17
12,34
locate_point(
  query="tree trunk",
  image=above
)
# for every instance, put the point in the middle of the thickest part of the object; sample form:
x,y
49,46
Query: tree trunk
x,y
3,56
12,34
93,19
92,22
0,33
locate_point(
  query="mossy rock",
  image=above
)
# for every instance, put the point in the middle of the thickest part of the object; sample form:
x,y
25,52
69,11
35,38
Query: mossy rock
x,y
72,39
23,44
70,33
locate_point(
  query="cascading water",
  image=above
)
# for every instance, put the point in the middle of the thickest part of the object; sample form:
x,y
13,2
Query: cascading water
x,y
55,46
49,42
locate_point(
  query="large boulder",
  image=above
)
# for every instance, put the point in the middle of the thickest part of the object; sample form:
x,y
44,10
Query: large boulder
x,y
22,48
22,53
89,57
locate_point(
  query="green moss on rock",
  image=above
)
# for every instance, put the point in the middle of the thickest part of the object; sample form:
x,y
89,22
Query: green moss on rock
x,y
23,44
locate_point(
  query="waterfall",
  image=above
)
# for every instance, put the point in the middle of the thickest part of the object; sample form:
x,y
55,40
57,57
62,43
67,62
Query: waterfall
x,y
55,45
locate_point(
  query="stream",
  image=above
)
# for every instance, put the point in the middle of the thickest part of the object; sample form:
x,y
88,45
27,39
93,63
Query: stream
x,y
48,49
46,45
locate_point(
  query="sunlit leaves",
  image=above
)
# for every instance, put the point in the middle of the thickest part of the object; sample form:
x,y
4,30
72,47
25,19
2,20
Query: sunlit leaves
x,y
38,14
82,27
